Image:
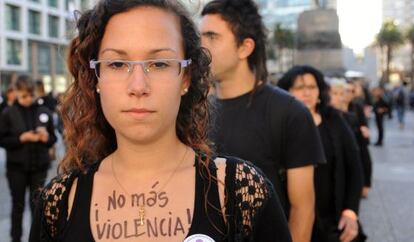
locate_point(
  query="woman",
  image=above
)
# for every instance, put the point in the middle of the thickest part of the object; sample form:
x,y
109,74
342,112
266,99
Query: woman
x,y
342,96
338,183
27,133
138,167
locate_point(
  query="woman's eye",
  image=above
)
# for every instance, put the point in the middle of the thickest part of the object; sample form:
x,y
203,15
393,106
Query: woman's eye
x,y
117,65
158,65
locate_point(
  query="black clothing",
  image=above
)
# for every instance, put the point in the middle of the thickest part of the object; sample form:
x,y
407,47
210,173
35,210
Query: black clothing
x,y
355,124
27,163
30,156
380,106
324,175
47,101
342,174
18,182
252,209
274,131
357,108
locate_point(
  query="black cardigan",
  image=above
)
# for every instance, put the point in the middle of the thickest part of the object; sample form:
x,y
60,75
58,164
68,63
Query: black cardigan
x,y
348,171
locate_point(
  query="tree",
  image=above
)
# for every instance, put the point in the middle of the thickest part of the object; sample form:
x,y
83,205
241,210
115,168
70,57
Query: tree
x,y
389,38
283,39
410,38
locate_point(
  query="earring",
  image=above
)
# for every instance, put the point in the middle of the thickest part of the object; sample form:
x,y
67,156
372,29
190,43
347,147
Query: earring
x,y
98,90
185,90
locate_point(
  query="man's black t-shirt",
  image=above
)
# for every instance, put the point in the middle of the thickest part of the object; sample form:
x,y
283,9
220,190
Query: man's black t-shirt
x,y
272,130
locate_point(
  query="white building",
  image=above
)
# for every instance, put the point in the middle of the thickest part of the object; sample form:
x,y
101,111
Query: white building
x,y
34,35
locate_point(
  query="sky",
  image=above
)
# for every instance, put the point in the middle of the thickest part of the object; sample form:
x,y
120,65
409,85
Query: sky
x,y
359,22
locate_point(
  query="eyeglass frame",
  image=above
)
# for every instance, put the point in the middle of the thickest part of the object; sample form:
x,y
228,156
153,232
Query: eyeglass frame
x,y
183,64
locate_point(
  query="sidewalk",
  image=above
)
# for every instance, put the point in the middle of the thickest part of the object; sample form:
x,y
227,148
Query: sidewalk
x,y
387,214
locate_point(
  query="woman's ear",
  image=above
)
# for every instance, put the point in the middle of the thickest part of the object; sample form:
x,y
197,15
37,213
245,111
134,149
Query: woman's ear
x,y
186,83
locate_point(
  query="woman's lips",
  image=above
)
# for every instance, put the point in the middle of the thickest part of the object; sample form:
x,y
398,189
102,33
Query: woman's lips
x,y
139,113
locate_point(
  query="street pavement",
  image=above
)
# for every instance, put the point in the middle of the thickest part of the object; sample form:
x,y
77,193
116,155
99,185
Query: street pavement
x,y
386,215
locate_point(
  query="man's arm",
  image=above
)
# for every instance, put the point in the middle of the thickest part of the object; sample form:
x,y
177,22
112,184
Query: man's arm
x,y
302,202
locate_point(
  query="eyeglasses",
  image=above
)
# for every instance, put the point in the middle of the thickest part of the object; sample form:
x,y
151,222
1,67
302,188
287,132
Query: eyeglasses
x,y
303,87
154,69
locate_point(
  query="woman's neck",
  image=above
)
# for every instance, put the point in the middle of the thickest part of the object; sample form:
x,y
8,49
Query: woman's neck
x,y
146,160
317,119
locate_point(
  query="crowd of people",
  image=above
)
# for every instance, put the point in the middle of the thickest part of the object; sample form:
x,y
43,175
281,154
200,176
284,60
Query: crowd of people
x,y
172,133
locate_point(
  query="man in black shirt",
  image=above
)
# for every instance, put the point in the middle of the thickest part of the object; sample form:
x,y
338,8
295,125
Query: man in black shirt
x,y
255,121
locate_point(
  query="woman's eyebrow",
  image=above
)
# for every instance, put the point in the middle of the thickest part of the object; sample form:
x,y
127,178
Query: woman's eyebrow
x,y
151,52
121,52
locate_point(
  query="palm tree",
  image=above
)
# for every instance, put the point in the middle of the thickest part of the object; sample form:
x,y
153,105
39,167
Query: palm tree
x,y
388,39
410,38
283,39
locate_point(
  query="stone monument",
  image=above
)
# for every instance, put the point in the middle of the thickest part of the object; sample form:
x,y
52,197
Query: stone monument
x,y
318,40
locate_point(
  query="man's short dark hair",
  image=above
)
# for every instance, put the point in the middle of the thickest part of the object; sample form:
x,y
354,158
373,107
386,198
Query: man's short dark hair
x,y
245,21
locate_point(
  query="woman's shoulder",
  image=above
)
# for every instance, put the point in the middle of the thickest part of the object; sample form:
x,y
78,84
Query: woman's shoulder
x,y
247,190
55,196
246,178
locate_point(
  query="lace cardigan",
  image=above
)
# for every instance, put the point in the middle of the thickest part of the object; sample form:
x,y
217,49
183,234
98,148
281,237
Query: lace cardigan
x,y
253,211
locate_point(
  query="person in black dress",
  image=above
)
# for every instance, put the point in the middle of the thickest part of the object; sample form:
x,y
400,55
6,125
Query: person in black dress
x,y
338,183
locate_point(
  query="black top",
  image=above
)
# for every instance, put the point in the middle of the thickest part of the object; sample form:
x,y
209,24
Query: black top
x,y
17,119
324,175
252,209
343,154
274,131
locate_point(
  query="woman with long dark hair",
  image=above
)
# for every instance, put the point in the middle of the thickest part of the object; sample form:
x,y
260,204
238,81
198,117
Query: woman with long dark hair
x,y
138,166
338,183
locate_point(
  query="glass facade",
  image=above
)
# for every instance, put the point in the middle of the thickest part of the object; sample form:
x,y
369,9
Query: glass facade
x,y
84,4
60,60
14,52
43,58
53,26
34,22
12,17
53,3
70,29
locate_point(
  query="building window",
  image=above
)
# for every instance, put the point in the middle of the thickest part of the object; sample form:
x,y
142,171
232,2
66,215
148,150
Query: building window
x,y
34,22
36,1
43,60
70,29
53,26
53,3
14,52
84,4
12,18
60,60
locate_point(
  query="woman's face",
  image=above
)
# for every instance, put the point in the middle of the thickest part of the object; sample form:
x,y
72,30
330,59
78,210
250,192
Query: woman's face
x,y
337,95
349,93
142,106
305,89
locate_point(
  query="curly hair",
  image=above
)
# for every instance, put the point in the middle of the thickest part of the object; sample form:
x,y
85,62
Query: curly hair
x,y
245,22
288,79
88,135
